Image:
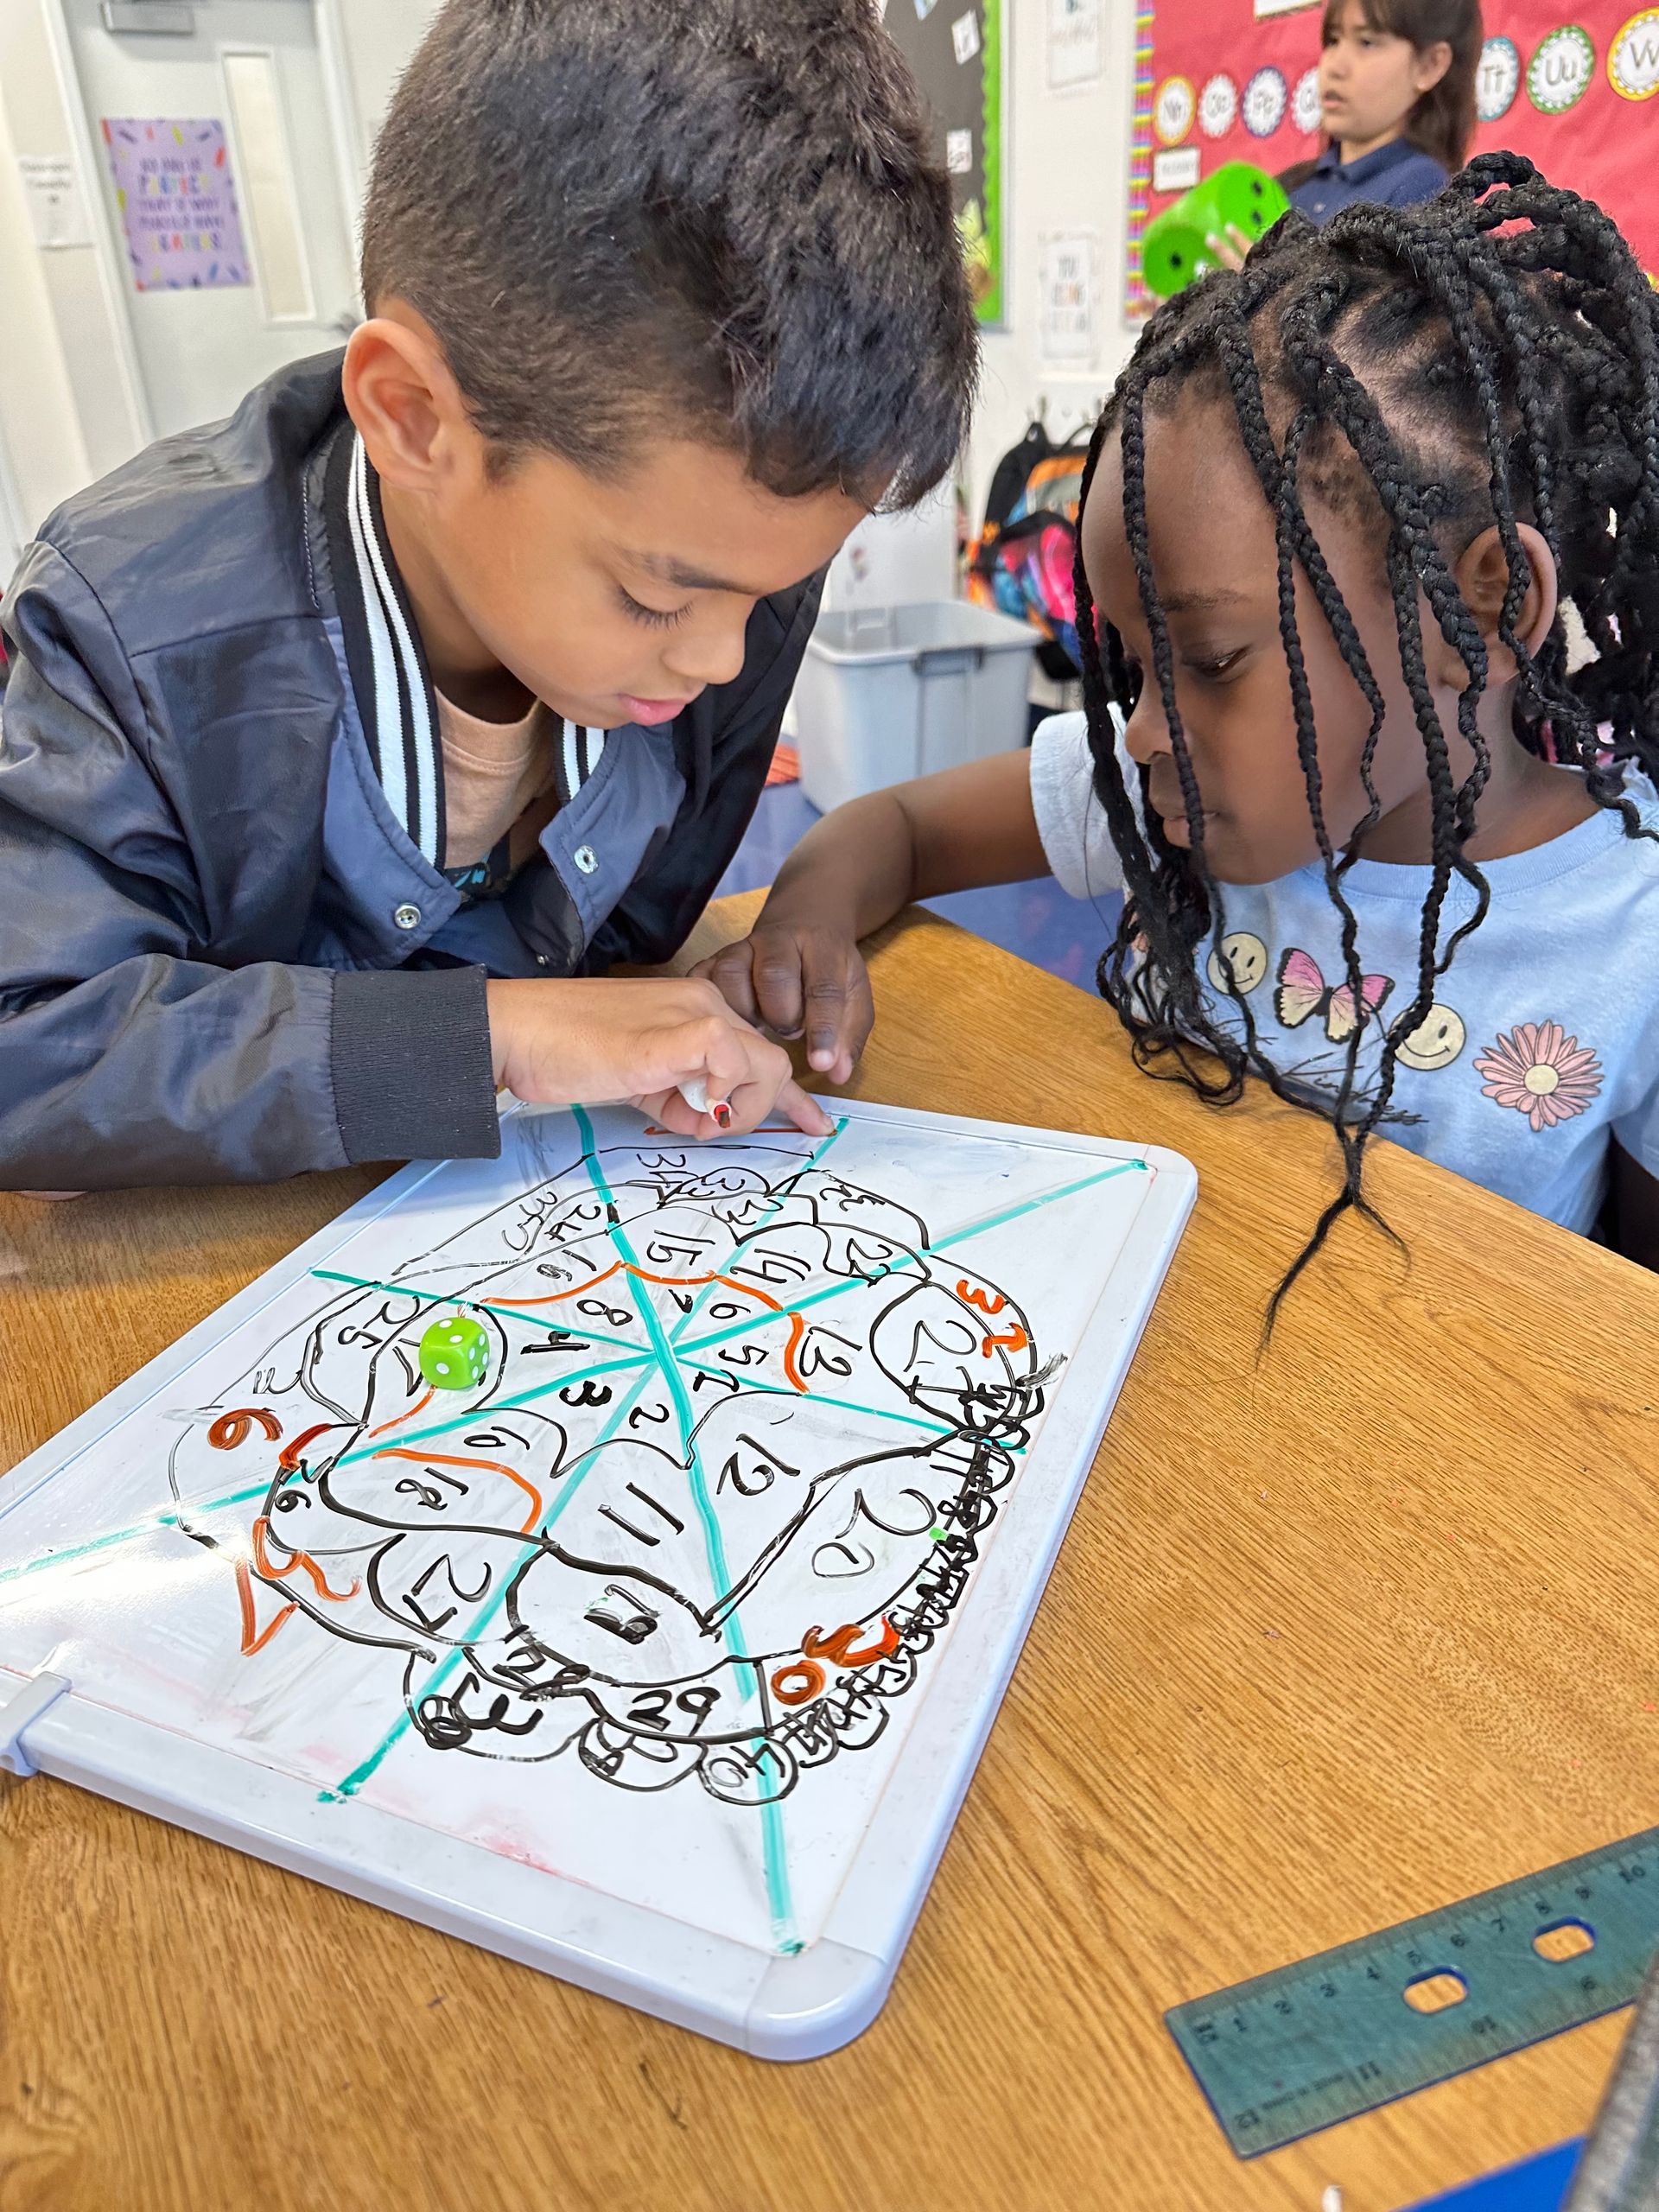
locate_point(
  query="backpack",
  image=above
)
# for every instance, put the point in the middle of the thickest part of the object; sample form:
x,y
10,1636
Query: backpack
x,y
1021,561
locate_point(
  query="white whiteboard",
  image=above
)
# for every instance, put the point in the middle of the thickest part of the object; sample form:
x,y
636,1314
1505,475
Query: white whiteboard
x,y
660,1655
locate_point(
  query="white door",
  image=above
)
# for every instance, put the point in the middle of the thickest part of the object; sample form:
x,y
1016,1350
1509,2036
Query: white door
x,y
11,517
219,173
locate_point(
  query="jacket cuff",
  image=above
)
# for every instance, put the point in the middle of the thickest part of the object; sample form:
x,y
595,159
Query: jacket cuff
x,y
412,1069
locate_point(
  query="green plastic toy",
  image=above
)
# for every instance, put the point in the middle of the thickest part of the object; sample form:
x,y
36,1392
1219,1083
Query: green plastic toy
x,y
1175,250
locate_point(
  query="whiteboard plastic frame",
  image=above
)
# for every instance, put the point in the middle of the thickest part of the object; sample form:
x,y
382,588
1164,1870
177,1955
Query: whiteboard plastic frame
x,y
771,2007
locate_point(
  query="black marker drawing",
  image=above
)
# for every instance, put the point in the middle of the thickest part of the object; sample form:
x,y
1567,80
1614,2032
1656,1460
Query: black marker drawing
x,y
713,1447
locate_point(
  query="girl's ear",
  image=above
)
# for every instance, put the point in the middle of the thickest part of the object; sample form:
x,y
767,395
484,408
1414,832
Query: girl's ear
x,y
1483,580
1431,65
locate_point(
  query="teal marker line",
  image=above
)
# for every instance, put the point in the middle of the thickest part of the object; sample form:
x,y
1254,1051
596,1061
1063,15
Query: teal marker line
x,y
648,1362
988,1222
796,1305
447,1666
15,1504
471,1419
804,1169
476,1304
672,1376
817,1398
773,1850
165,1517
979,1228
579,1374
772,1389
664,1361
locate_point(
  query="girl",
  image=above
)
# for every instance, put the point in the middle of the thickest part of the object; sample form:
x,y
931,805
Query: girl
x,y
1386,840
1396,103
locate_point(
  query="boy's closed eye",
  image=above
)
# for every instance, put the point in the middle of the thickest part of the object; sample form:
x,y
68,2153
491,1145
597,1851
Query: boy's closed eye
x,y
654,618
680,578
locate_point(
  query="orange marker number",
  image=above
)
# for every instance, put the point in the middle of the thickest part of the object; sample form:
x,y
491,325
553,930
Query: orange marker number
x,y
1015,1340
797,1684
230,1432
843,1646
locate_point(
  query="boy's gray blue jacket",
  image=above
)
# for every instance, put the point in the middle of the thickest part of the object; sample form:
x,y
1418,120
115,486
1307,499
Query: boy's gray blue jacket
x,y
227,949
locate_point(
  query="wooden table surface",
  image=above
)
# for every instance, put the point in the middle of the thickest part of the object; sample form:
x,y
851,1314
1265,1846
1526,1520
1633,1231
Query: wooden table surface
x,y
1336,1637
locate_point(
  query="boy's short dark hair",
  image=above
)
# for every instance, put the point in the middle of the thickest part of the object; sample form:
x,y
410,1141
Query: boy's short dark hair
x,y
719,218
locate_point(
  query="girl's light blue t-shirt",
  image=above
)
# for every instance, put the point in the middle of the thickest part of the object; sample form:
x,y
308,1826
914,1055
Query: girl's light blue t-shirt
x,y
1542,1046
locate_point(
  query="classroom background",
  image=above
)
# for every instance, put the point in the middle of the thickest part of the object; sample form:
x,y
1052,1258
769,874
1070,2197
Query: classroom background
x,y
1091,107
178,186
178,181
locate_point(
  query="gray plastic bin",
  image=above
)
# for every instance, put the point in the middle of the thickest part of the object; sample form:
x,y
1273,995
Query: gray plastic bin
x,y
885,693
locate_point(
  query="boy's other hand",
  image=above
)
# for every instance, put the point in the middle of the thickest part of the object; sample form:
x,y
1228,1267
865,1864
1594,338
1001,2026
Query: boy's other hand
x,y
799,980
595,1041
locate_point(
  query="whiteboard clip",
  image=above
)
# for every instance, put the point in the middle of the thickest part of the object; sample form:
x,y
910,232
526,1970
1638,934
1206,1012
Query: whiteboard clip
x,y
20,1712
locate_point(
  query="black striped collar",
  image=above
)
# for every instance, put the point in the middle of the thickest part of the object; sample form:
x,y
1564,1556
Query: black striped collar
x,y
382,648
387,660
579,754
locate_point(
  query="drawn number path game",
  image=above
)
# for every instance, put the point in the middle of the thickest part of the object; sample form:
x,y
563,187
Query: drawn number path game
x,y
614,1553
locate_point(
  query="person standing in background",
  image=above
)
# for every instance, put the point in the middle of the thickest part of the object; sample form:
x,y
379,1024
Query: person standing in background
x,y
1397,103
1396,99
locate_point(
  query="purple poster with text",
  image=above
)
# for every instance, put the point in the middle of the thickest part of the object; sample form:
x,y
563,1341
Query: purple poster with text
x,y
177,199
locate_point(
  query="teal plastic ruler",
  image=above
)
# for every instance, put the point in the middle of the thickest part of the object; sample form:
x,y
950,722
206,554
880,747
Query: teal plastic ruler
x,y
1309,2044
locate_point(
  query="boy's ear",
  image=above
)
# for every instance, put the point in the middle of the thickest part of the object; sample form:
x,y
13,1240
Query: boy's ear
x,y
404,400
1483,581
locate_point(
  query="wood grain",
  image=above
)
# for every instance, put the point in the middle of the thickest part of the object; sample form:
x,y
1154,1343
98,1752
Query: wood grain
x,y
1338,1635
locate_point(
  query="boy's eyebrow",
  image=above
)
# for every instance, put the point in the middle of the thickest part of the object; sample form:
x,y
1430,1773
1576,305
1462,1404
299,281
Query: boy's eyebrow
x,y
687,579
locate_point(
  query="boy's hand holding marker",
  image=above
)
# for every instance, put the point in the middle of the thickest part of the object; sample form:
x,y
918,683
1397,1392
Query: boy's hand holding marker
x,y
673,1048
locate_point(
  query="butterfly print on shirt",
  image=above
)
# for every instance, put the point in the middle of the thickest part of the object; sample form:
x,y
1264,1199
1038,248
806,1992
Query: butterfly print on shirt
x,y
1304,996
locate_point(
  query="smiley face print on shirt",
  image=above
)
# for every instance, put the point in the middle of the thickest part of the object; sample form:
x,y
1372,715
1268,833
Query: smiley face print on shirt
x,y
1239,963
1436,1041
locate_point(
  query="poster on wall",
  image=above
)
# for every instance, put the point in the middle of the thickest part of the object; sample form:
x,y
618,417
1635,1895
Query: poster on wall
x,y
177,202
1237,81
955,51
1076,44
1067,323
57,214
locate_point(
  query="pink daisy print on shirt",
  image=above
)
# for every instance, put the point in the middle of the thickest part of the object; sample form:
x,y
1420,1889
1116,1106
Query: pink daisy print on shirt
x,y
1541,1073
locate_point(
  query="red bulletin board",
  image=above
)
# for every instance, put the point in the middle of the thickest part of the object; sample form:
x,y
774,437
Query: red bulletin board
x,y
1233,80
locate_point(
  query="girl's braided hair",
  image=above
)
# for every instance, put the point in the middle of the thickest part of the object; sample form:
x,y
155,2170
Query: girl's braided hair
x,y
1491,358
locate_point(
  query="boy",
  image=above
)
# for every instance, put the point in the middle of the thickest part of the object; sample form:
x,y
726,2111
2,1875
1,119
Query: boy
x,y
347,743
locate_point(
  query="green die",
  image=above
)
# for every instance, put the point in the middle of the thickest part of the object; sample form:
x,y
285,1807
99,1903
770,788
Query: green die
x,y
454,1353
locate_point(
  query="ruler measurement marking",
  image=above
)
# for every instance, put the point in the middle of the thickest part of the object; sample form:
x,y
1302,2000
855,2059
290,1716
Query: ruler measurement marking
x,y
1305,2046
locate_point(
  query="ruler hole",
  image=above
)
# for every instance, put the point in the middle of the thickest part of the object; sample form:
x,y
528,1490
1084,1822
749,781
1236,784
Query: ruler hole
x,y
1563,1940
1436,1993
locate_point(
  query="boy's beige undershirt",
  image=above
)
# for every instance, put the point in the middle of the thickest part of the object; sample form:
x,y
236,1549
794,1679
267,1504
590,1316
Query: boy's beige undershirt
x,y
498,777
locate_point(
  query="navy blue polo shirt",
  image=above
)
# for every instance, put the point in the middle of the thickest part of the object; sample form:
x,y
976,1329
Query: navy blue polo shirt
x,y
1398,174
